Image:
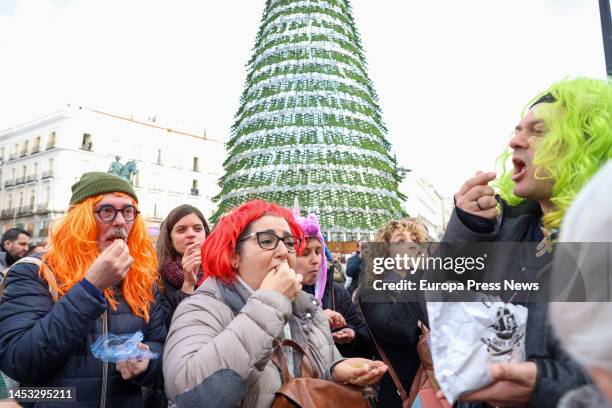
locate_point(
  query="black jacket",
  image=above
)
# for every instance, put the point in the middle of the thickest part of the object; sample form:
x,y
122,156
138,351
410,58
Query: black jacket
x,y
170,299
361,346
46,344
394,324
353,269
557,373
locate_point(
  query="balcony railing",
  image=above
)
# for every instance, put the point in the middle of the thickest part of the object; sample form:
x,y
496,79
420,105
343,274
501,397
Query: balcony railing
x,y
87,146
13,156
31,177
9,183
9,212
26,210
43,232
50,144
19,180
47,174
23,152
42,208
195,192
35,149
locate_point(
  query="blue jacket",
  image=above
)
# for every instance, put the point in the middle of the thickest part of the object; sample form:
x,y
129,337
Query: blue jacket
x,y
47,344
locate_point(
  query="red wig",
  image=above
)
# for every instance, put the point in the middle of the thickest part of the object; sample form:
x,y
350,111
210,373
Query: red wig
x,y
220,246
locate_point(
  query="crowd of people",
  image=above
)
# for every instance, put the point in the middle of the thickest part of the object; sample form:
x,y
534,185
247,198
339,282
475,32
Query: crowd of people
x,y
216,308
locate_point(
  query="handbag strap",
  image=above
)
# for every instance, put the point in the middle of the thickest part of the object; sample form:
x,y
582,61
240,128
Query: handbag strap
x,y
105,364
396,381
278,357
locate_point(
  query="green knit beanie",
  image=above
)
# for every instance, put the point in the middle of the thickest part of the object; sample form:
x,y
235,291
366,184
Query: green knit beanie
x,y
97,182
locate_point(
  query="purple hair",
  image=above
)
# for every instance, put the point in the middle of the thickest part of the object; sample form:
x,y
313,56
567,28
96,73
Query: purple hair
x,y
312,229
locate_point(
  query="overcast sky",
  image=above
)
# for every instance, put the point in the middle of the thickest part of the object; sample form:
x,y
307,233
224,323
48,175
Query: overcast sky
x,y
452,76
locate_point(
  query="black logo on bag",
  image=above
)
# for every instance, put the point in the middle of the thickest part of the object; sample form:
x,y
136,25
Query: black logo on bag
x,y
505,334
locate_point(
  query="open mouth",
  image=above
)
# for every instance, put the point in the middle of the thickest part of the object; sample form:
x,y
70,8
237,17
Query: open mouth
x,y
519,169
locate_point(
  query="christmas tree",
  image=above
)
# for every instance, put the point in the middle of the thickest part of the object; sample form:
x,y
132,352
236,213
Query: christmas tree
x,y
309,125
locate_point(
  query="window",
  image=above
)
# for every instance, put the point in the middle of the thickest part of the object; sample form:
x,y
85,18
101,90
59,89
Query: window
x,y
196,164
36,146
51,140
24,169
194,188
159,157
86,144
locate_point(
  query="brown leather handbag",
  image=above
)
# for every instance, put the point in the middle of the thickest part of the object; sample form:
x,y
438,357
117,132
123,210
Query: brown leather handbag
x,y
424,386
310,391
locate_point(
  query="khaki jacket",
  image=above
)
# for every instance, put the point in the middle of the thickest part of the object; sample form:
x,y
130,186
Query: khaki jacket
x,y
224,327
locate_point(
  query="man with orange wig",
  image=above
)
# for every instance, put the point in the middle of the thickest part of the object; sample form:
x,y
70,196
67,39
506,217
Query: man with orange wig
x,y
98,277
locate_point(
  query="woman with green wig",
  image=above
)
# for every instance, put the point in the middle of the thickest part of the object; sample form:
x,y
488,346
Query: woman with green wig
x,y
562,139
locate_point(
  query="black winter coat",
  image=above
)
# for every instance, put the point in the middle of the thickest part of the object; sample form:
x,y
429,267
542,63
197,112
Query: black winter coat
x,y
361,346
353,269
170,298
394,324
46,344
557,373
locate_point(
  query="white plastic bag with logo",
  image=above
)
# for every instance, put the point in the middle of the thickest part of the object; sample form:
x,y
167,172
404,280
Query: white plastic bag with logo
x,y
468,337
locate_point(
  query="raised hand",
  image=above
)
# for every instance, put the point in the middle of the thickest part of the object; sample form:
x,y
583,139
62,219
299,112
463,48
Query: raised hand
x,y
111,266
284,280
477,197
191,261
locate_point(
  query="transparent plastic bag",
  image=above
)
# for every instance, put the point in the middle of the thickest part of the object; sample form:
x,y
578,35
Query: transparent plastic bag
x,y
113,348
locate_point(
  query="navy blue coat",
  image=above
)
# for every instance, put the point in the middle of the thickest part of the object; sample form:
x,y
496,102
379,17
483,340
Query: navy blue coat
x,y
47,344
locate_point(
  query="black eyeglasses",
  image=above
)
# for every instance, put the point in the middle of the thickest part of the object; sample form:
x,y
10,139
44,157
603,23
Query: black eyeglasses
x,y
108,213
269,241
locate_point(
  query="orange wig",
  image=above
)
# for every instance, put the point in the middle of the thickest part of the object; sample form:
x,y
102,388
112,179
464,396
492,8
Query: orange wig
x,y
220,246
74,248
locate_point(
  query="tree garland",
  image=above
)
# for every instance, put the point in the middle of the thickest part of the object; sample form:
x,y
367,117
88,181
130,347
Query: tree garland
x,y
309,125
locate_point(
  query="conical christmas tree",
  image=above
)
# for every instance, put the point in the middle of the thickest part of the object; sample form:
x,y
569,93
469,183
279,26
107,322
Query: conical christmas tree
x,y
309,125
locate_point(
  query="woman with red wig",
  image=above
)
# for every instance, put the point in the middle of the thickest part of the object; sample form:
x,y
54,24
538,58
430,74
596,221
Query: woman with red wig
x,y
221,338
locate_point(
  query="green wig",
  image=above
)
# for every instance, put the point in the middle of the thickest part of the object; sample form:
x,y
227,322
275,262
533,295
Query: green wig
x,y
577,144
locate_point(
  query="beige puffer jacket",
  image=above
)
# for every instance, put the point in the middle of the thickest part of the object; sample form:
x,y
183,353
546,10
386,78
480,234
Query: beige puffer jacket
x,y
216,329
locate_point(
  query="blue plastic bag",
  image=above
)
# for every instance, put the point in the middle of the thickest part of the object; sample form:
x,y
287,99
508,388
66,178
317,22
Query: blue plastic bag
x,y
113,348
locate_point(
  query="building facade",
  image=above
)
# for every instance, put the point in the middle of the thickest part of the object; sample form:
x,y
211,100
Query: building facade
x,y
41,159
423,201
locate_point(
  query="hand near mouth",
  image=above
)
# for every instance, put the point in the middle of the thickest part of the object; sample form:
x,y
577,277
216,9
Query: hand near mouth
x,y
191,261
111,266
477,197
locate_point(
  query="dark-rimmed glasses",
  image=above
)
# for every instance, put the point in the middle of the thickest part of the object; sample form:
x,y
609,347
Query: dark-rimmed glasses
x,y
269,241
108,213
